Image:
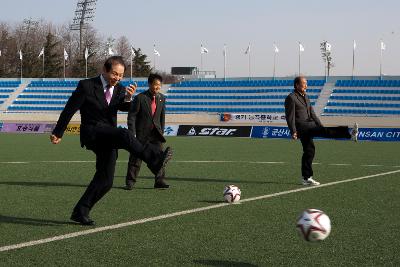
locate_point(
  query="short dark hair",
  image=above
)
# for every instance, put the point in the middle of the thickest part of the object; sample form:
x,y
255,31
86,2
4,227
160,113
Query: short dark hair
x,y
153,77
114,60
297,80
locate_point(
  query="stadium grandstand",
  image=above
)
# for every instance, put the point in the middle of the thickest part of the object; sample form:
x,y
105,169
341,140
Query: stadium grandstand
x,y
369,100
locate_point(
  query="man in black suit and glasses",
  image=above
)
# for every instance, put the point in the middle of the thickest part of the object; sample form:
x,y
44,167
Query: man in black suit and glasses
x,y
146,120
99,100
304,124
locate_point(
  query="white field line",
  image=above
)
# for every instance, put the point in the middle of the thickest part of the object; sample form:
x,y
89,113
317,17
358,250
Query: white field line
x,y
193,161
179,213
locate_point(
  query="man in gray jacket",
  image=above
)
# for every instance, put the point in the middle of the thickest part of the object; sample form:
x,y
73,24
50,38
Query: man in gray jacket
x,y
304,124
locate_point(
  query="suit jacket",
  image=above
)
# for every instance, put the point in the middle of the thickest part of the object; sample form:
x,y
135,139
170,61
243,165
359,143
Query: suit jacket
x,y
140,120
299,112
89,98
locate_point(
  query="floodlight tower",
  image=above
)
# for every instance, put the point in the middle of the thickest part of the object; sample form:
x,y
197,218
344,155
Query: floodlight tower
x,y
83,14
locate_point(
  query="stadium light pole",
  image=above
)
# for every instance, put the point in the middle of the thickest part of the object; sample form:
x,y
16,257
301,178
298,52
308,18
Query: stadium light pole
x,y
84,13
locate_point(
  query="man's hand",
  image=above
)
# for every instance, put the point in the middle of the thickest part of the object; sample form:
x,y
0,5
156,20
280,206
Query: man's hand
x,y
54,139
294,136
130,91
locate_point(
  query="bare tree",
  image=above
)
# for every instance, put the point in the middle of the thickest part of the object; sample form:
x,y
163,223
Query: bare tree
x,y
325,48
31,36
123,47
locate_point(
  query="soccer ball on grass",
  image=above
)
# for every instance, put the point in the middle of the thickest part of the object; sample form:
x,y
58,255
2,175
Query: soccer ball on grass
x,y
314,225
232,193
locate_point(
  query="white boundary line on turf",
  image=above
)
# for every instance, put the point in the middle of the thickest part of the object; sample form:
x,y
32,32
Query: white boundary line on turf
x,y
179,213
194,161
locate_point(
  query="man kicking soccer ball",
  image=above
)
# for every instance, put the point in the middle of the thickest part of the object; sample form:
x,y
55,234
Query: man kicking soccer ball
x,y
304,124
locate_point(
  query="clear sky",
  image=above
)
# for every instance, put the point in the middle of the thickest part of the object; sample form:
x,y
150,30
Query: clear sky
x,y
178,27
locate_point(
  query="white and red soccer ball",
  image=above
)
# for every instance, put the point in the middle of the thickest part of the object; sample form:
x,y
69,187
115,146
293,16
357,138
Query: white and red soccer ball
x,y
314,225
232,193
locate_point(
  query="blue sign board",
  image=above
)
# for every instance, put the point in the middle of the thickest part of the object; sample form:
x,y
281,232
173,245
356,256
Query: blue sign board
x,y
364,134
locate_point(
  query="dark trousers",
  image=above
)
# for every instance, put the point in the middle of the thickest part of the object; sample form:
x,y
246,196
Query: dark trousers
x,y
135,162
105,144
306,135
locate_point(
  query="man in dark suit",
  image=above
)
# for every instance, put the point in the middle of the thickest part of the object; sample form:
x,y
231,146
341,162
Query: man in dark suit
x,y
99,100
303,123
146,120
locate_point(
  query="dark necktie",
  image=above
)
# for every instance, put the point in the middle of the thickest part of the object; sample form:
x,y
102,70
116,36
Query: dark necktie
x,y
108,94
153,106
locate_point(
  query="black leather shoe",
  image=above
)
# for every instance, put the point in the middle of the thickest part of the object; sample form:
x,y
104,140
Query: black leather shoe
x,y
84,220
161,185
129,186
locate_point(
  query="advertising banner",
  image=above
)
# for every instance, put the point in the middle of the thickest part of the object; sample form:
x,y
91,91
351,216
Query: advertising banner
x,y
23,127
171,130
364,134
270,132
49,127
379,134
73,128
223,131
258,118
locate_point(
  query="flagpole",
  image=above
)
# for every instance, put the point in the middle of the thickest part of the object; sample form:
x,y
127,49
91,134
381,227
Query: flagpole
x,y
380,62
352,71
354,51
201,61
86,59
43,66
249,66
64,67
131,64
224,62
154,57
274,65
21,69
299,58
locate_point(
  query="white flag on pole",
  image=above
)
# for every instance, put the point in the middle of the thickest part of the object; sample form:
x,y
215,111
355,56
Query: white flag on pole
x,y
383,45
203,50
110,52
65,55
247,50
301,47
328,46
133,52
276,49
86,53
156,52
20,54
41,52
354,45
